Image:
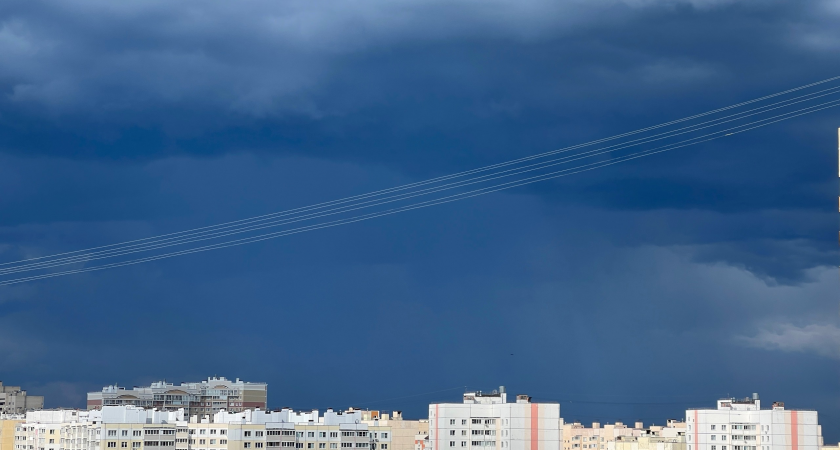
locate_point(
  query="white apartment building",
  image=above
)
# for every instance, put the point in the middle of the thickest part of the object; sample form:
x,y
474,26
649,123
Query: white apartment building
x,y
486,421
287,429
202,398
114,427
741,424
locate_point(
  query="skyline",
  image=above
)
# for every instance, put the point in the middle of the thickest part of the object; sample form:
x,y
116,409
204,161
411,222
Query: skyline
x,y
680,277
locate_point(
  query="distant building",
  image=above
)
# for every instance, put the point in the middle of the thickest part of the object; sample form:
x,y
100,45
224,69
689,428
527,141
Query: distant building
x,y
486,421
577,436
669,437
741,424
14,400
404,433
202,398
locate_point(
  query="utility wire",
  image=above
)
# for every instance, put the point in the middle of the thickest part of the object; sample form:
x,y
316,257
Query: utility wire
x,y
448,199
371,203
438,179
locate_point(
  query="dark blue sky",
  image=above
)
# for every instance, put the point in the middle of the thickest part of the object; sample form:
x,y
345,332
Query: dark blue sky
x,y
672,280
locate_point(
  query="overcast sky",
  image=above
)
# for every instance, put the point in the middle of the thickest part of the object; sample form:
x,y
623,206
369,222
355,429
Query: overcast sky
x,y
672,280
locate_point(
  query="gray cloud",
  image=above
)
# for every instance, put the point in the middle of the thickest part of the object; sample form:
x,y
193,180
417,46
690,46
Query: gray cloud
x,y
814,338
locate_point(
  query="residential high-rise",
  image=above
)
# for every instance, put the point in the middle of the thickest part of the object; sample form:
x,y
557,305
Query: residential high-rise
x,y
486,421
206,397
14,400
741,424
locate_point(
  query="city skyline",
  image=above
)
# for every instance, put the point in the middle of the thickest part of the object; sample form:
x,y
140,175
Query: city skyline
x,y
632,292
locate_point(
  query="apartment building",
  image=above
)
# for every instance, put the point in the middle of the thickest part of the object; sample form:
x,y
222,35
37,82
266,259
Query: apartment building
x,y
14,400
286,430
113,427
50,430
577,436
8,423
202,398
669,437
486,421
405,434
619,436
741,424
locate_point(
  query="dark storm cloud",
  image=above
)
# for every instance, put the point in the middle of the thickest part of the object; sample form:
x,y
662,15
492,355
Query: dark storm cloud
x,y
693,274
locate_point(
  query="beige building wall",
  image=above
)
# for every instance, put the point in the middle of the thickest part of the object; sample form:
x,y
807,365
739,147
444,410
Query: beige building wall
x,y
403,432
650,443
7,433
578,437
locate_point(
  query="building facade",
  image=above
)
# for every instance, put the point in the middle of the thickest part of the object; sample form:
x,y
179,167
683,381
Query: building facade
x,y
486,421
203,398
8,423
741,424
619,436
14,400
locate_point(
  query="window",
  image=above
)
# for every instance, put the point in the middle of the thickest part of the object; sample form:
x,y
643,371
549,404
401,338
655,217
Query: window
x,y
714,447
476,421
322,434
713,438
463,443
112,432
451,421
333,445
259,434
322,445
213,431
384,435
361,444
310,434
203,431
333,434
723,427
52,441
452,432
463,421
247,433
192,431
202,441
361,433
451,443
723,437
223,441
346,444
247,445
124,433
112,445
258,445
310,445
384,446
213,441
713,428
135,444
222,431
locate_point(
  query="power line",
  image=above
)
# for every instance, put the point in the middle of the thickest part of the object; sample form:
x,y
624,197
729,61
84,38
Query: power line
x,y
447,199
203,235
446,177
